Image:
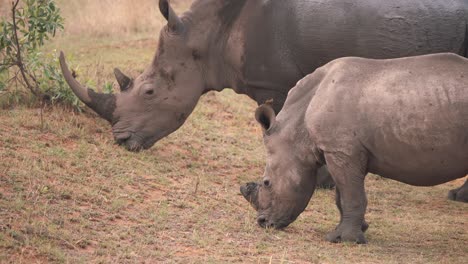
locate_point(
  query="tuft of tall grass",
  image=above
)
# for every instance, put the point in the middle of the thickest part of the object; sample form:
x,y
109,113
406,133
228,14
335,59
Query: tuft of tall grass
x,y
113,17
107,18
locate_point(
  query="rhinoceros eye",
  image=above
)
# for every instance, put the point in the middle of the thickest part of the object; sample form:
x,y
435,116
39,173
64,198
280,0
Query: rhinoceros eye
x,y
147,89
266,183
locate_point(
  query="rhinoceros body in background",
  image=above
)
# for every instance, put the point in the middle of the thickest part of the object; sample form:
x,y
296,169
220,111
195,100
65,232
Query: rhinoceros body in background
x,y
405,119
261,49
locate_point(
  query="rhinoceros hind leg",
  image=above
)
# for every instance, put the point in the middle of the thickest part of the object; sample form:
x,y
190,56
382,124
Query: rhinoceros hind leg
x,y
324,179
460,194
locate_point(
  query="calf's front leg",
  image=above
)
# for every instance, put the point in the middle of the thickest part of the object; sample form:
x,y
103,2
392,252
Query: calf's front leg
x,y
338,202
349,173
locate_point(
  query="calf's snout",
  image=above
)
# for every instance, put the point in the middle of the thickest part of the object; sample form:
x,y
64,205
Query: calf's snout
x,y
120,138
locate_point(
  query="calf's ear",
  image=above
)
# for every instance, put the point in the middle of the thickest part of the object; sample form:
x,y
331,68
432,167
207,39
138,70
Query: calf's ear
x,y
266,116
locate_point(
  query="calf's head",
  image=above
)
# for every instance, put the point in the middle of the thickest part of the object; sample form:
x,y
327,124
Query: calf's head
x,y
158,101
289,178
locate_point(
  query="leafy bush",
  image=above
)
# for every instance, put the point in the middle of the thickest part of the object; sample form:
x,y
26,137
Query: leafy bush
x,y
22,65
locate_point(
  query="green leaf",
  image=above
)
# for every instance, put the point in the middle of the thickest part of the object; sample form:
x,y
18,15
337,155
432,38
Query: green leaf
x,y
36,22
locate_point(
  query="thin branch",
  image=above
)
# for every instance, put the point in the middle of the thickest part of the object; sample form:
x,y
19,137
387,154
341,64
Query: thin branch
x,y
33,77
15,76
4,93
19,59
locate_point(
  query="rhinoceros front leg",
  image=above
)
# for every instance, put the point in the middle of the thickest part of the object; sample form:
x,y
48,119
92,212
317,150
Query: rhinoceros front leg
x,y
364,225
349,173
324,179
460,194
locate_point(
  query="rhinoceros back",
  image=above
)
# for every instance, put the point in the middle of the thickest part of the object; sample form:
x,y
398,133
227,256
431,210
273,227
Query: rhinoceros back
x,y
287,40
409,114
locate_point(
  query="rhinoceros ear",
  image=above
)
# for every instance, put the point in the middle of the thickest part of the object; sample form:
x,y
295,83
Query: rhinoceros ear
x,y
266,116
173,21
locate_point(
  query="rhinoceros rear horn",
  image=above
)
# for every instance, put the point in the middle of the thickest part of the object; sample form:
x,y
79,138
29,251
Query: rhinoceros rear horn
x,y
173,21
102,104
123,80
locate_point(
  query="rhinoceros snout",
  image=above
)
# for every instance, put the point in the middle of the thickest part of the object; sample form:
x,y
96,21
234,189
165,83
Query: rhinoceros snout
x,y
121,138
128,141
262,221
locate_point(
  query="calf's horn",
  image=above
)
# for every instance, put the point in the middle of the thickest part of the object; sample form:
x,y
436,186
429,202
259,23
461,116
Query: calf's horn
x,y
102,104
250,193
123,80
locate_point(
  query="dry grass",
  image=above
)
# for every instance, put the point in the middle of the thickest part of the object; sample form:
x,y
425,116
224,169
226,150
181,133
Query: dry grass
x,y
5,5
110,17
113,17
69,195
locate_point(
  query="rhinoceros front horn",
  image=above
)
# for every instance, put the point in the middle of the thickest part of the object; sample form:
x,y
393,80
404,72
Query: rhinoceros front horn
x,y
102,104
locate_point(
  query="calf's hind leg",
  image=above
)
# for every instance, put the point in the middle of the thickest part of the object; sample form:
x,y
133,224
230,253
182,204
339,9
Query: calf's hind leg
x,y
460,194
349,173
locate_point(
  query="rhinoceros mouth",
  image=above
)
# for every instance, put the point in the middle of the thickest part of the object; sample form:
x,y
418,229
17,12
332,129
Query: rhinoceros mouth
x,y
134,142
130,140
263,221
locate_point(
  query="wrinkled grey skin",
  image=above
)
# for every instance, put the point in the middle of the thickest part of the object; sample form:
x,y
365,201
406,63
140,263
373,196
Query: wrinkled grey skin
x,y
404,119
261,49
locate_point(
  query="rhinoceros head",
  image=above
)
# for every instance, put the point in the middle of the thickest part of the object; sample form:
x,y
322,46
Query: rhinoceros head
x,y
158,101
289,178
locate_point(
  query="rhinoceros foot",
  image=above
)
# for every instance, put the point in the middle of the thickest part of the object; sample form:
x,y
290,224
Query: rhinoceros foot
x,y
346,233
364,226
459,194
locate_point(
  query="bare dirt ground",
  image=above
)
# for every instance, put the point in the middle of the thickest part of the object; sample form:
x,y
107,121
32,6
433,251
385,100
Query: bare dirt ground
x,y
68,194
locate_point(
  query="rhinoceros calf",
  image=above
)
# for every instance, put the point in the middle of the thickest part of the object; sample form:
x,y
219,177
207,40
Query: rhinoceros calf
x,y
404,119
